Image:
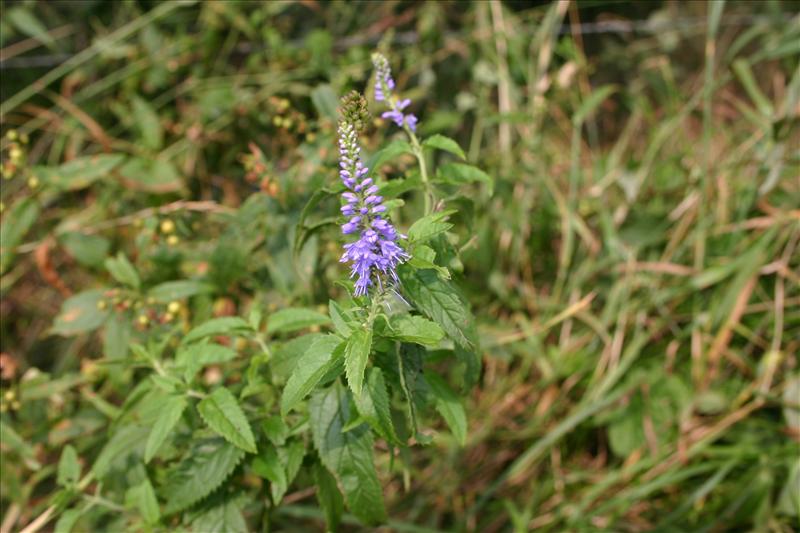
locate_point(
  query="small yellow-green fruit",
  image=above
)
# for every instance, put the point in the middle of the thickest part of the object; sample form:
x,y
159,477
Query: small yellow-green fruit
x,y
9,396
143,320
174,307
16,405
15,154
11,135
172,240
168,317
167,226
102,304
33,182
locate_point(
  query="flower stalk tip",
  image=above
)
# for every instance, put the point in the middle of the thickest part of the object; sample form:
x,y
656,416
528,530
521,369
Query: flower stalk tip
x,y
384,85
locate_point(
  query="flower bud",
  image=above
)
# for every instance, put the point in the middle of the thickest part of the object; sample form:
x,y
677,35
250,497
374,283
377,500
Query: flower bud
x,y
354,110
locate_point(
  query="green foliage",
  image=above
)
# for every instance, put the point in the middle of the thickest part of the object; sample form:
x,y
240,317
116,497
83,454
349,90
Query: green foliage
x,y
320,358
222,413
171,412
206,465
346,454
356,355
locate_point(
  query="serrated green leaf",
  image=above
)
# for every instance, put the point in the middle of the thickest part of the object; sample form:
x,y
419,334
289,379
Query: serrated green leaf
x,y
123,271
449,406
221,411
460,173
124,442
409,371
292,458
373,406
347,455
178,290
328,496
444,143
423,257
171,412
276,430
148,123
356,356
226,325
395,187
286,355
223,518
321,356
268,465
440,301
80,314
143,498
69,469
389,152
417,329
205,467
429,226
15,225
195,356
339,318
78,173
293,319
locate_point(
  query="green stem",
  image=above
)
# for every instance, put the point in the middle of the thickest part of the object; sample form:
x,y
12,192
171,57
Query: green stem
x,y
373,311
423,169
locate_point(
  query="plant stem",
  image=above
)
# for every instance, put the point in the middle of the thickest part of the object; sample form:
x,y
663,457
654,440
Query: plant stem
x,y
423,169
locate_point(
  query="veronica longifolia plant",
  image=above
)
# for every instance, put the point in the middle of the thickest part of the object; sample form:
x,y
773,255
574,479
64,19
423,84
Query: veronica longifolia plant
x,y
403,302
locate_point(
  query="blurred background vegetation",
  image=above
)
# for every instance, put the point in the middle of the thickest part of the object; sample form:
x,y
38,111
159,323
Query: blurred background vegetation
x,y
634,269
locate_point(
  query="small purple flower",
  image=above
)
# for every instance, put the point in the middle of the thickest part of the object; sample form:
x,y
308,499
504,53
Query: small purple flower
x,y
384,84
376,252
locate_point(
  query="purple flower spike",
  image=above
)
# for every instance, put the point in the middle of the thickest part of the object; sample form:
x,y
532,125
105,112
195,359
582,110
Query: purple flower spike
x,y
384,84
376,252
